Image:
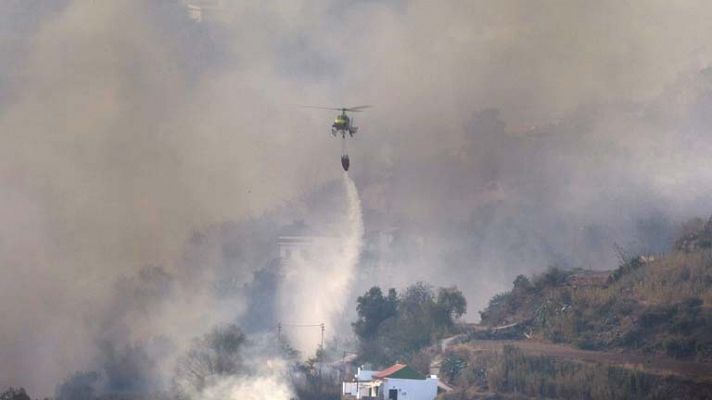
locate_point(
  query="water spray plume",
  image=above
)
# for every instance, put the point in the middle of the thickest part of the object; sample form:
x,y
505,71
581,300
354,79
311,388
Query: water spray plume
x,y
317,284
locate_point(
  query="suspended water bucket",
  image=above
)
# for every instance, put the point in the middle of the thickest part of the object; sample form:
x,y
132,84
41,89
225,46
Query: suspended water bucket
x,y
345,162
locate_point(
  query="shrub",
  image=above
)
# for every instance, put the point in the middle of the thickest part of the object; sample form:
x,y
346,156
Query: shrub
x,y
627,267
452,366
14,394
521,282
656,315
680,347
590,343
554,276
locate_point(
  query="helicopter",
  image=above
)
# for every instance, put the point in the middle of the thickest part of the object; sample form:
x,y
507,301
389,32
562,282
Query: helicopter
x,y
343,124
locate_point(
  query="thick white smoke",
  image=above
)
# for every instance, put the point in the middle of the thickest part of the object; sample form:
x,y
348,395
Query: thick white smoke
x,y
126,127
318,277
269,382
257,388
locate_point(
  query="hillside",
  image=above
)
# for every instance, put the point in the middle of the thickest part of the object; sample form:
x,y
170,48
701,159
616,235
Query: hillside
x,y
655,305
495,369
641,331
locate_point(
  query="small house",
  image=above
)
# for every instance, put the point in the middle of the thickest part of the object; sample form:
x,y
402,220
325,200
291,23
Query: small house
x,y
397,382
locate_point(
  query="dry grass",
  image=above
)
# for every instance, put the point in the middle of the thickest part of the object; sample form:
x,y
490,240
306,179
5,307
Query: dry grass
x,y
512,372
674,278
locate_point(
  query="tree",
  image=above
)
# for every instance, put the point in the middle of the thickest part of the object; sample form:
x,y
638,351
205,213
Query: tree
x,y
417,301
80,386
451,305
215,354
417,318
393,327
373,308
522,282
14,394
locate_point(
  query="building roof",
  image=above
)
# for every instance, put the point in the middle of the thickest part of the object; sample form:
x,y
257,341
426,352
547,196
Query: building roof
x,y
389,371
398,371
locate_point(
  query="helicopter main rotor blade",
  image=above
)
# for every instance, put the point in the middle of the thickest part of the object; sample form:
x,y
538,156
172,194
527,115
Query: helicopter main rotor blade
x,y
342,109
323,108
357,108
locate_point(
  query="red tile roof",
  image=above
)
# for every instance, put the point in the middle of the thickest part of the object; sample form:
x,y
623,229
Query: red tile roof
x,y
389,371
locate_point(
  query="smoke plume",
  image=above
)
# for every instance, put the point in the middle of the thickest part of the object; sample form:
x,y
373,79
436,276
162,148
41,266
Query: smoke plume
x,y
148,160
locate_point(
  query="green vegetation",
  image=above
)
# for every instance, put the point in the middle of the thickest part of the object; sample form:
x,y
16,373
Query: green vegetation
x,y
14,394
511,372
313,383
661,306
373,308
395,327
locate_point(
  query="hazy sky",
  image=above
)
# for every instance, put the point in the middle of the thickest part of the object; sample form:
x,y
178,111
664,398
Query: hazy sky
x,y
527,130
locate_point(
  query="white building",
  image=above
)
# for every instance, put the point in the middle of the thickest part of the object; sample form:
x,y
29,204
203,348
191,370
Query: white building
x,y
397,382
363,387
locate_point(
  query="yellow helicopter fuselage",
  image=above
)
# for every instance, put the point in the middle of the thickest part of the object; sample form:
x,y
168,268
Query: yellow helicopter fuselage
x,y
341,122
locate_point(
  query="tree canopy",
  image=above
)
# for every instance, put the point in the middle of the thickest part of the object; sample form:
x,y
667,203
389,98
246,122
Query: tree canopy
x,y
393,327
373,308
